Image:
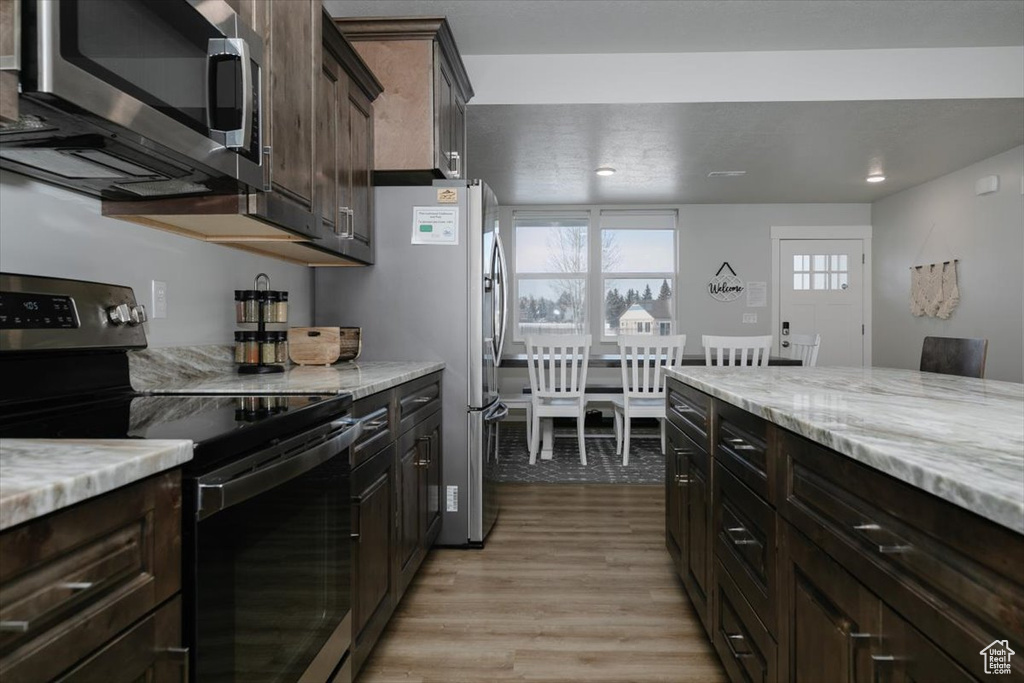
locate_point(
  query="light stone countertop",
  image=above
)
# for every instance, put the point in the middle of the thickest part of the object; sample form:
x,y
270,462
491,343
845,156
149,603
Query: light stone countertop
x,y
39,476
210,370
957,438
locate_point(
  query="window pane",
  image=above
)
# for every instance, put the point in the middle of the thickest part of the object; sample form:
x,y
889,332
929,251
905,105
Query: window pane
x,y
554,306
819,280
819,262
843,280
798,261
834,265
638,251
551,249
842,262
835,281
638,306
798,281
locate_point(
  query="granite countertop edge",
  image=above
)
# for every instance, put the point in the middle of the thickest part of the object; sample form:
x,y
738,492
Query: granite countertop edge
x,y
878,453
40,476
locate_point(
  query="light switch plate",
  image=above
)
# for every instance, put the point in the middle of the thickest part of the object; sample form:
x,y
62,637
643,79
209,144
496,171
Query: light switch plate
x,y
750,318
159,304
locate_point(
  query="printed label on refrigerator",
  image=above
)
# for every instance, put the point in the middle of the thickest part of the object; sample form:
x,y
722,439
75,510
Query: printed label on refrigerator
x,y
453,499
437,225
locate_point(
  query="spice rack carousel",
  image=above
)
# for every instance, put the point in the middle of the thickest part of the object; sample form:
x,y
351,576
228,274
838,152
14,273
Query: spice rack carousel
x,y
261,351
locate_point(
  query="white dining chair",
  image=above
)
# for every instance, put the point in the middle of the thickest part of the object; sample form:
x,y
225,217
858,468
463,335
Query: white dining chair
x,y
736,350
644,361
804,347
558,380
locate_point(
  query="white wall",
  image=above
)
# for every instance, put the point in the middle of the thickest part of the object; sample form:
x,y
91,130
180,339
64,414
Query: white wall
x,y
986,233
708,235
46,230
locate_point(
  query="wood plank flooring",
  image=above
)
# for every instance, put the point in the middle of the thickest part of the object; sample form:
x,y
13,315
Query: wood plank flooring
x,y
574,584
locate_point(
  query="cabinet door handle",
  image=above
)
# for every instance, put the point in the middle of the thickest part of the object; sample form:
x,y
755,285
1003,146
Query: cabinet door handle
x,y
180,654
350,223
268,157
14,626
424,440
682,480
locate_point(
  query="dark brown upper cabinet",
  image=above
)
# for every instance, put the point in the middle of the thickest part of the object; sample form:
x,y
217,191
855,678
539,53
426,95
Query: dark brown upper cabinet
x,y
316,207
420,119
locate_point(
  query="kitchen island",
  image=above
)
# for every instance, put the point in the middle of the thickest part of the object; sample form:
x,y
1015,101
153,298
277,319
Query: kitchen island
x,y
848,523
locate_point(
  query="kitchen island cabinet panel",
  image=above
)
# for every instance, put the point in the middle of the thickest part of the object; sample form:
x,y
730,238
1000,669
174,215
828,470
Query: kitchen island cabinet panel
x,y
858,575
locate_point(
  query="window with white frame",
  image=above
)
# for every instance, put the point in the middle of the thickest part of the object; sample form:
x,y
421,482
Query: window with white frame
x,y
551,270
638,273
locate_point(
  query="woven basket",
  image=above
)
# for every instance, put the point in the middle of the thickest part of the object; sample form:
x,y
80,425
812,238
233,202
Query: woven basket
x,y
351,340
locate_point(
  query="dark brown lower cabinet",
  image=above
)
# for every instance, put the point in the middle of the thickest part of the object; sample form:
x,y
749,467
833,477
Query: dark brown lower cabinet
x,y
419,473
396,501
150,651
806,566
830,620
373,524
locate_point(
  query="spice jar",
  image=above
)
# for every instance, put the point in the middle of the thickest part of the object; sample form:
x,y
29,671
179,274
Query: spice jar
x,y
269,306
282,348
247,351
282,307
246,306
268,348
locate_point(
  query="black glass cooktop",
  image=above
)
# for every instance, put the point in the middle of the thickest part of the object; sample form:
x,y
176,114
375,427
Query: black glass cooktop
x,y
219,426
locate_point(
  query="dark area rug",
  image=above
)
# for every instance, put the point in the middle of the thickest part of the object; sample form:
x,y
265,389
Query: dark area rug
x,y
646,463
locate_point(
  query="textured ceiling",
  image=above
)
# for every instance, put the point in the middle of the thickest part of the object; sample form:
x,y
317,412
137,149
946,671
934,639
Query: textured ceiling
x,y
791,151
595,26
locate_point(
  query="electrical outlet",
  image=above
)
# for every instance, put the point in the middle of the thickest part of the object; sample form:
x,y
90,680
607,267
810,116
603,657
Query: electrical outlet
x,y
750,318
159,307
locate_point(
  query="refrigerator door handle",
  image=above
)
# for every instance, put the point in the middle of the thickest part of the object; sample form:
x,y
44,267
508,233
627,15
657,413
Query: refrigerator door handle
x,y
498,413
499,275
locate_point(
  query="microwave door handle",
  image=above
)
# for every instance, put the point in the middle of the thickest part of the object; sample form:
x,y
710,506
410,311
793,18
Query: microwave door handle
x,y
215,497
235,47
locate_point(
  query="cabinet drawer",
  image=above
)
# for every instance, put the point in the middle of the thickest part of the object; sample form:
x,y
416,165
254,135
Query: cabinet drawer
x,y
748,653
149,651
71,580
957,577
745,543
688,409
417,400
380,426
741,445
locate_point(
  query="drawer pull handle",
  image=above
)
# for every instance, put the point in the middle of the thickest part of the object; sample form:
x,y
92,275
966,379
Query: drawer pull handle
x,y
181,655
862,635
375,425
423,399
883,658
682,480
14,626
737,637
77,585
867,527
740,531
683,408
354,537
683,451
894,549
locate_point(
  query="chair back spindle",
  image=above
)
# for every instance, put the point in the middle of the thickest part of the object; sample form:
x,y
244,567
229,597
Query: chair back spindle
x,y
558,365
643,372
804,347
736,350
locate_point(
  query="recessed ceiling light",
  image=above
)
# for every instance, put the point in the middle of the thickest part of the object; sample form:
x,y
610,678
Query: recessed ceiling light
x,y
605,170
726,174
875,178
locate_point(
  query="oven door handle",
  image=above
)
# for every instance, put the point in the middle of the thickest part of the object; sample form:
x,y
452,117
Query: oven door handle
x,y
214,498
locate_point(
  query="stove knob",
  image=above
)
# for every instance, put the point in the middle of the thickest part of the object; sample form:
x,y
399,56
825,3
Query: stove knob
x,y
119,315
137,315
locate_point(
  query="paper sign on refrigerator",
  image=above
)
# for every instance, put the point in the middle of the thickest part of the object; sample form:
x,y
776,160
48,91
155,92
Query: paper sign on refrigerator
x,y
438,225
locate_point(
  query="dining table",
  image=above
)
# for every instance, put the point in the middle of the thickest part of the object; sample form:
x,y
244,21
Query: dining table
x,y
604,392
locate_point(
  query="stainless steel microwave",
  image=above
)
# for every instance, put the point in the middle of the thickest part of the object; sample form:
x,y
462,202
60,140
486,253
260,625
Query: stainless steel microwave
x,y
128,99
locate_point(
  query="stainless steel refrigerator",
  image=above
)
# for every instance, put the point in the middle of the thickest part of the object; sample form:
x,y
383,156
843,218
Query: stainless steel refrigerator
x,y
437,291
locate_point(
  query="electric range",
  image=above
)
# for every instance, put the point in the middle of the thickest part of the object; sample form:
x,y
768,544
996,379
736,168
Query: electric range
x,y
265,499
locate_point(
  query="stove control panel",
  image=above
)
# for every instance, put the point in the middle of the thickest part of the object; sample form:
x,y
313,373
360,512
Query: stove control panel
x,y
24,311
50,314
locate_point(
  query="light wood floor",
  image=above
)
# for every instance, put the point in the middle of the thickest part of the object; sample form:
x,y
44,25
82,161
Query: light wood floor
x,y
574,584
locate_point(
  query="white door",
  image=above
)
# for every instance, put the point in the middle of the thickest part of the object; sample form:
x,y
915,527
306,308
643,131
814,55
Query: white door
x,y
821,291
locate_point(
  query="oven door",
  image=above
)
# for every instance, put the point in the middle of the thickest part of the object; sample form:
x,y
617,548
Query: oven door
x,y
270,596
182,73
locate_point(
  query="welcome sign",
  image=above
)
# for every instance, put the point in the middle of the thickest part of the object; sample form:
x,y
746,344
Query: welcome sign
x,y
727,286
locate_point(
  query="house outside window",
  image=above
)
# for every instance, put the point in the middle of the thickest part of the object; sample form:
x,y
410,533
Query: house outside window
x,y
551,272
638,272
